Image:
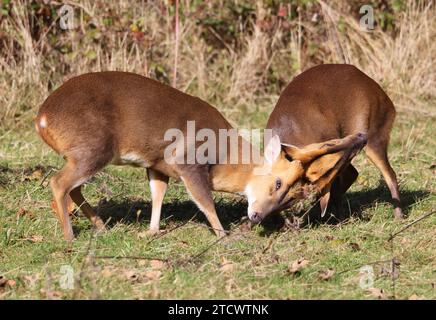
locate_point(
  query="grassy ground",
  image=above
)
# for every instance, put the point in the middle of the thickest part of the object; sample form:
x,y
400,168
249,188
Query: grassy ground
x,y
188,262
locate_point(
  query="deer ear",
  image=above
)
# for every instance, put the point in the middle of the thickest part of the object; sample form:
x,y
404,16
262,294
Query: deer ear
x,y
324,202
322,165
291,150
321,172
305,154
312,151
272,150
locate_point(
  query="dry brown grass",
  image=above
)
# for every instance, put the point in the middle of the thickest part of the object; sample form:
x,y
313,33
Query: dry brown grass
x,y
404,64
235,77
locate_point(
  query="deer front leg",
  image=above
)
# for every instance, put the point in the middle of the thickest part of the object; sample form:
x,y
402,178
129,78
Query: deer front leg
x,y
197,185
158,187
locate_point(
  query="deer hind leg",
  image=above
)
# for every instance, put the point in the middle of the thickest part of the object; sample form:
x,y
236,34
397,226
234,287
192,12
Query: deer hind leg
x,y
377,153
158,187
69,179
61,184
79,200
197,185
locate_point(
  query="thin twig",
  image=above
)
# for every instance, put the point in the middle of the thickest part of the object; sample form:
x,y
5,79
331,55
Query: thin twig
x,y
130,258
82,268
148,242
271,242
365,264
394,261
393,266
196,256
176,46
411,224
45,177
172,229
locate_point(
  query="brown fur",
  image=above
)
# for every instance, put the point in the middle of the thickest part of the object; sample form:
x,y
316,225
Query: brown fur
x,y
99,118
332,101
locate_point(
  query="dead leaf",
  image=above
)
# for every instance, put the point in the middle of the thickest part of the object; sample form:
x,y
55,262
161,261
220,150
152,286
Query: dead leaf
x,y
107,272
51,294
378,293
226,265
35,238
143,234
68,249
184,243
354,246
297,266
416,297
246,226
30,280
6,282
29,175
142,262
405,241
149,234
131,276
25,213
292,223
37,174
157,264
336,242
11,283
326,274
153,274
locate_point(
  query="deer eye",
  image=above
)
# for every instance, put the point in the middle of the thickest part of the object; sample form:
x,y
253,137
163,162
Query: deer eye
x,y
278,184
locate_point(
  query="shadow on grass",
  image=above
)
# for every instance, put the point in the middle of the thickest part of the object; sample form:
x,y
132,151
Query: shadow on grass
x,y
230,212
354,204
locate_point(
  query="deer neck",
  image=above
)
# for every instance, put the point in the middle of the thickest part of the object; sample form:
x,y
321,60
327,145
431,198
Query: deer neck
x,y
234,177
231,178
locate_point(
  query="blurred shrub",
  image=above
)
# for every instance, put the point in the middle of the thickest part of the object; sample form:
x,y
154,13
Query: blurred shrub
x,y
236,54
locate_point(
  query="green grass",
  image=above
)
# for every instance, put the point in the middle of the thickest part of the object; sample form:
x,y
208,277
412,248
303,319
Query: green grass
x,y
256,261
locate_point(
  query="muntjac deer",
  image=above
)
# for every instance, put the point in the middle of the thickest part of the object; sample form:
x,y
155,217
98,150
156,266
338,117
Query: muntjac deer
x,y
122,118
331,101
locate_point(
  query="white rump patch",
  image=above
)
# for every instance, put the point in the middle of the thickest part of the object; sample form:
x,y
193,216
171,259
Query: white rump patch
x,y
43,122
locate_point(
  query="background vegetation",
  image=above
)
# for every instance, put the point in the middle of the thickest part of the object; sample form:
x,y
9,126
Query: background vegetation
x,y
238,55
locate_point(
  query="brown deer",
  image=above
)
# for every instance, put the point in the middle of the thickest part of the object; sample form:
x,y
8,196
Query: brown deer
x,y
122,118
332,101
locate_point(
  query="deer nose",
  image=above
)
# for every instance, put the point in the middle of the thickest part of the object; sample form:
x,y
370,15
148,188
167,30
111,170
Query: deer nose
x,y
255,217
